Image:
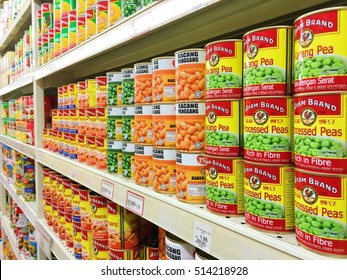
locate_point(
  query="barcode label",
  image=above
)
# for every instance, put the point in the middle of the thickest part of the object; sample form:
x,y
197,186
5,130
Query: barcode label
x,y
135,203
202,236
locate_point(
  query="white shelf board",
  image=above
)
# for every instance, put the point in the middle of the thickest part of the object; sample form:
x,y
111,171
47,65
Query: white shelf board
x,y
5,223
19,146
16,30
28,208
179,218
58,247
22,82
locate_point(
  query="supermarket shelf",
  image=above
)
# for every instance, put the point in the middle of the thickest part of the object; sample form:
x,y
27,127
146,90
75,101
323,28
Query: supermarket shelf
x,y
155,31
22,85
57,246
16,30
19,146
5,223
27,207
243,241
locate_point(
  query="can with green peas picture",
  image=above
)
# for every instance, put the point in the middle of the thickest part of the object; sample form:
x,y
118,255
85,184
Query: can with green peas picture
x,y
320,54
269,196
128,123
224,185
128,95
267,61
268,129
128,160
114,88
320,132
224,69
130,7
321,212
114,123
114,156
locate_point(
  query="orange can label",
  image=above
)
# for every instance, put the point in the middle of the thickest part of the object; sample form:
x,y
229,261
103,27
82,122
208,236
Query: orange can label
x,y
164,125
143,165
164,79
164,170
143,124
143,83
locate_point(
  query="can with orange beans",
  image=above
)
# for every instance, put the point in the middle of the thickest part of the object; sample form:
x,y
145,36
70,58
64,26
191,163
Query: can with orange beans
x,y
224,69
85,209
143,165
82,149
82,122
98,206
223,124
164,79
164,125
73,96
224,185
143,82
190,126
101,123
76,202
91,122
190,177
101,154
128,254
164,170
100,249
143,124
190,74
90,150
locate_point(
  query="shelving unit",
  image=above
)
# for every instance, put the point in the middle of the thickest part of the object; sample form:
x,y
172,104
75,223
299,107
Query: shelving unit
x,y
5,224
150,33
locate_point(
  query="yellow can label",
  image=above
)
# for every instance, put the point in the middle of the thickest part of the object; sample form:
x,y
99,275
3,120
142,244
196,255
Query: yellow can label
x,y
269,196
114,11
91,93
90,22
102,16
87,245
81,7
81,29
320,212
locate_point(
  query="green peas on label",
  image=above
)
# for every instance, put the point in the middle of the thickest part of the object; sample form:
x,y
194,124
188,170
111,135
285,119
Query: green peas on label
x,y
263,75
263,208
223,80
220,195
113,165
128,93
126,165
220,138
266,142
130,7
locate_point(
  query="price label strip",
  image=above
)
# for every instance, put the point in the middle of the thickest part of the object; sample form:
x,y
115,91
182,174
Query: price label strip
x,y
44,240
135,203
202,236
107,189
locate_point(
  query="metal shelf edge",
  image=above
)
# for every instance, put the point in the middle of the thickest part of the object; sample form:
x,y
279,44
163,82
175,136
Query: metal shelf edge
x,y
23,81
19,146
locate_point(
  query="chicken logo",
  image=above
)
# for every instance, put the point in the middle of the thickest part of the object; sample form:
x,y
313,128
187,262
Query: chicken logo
x,y
213,173
252,51
254,182
306,38
214,59
212,117
308,116
309,195
260,117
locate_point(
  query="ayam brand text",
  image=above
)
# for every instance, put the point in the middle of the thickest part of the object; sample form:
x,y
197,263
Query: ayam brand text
x,y
316,183
265,105
316,103
256,170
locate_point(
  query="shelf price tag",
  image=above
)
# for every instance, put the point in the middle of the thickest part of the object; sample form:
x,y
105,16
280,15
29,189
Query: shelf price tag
x,y
44,240
107,189
135,203
202,236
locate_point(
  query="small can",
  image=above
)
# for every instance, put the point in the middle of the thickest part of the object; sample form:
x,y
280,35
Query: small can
x,y
73,96
222,127
46,17
128,160
190,126
190,177
82,148
101,15
143,82
101,156
164,125
114,156
164,170
90,93
143,133
128,95
320,212
82,122
224,185
128,123
269,196
77,240
114,88
143,165
267,61
163,79
114,11
190,74
90,22
101,83
178,249
76,202
87,244
268,129
90,150
224,69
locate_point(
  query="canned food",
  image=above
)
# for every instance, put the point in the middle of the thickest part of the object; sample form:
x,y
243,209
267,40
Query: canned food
x,y
114,87
128,95
267,61
320,128
101,123
114,11
81,7
57,40
128,160
114,156
128,123
85,209
164,79
81,28
87,244
190,74
269,196
114,122
100,249
320,56
190,177
143,124
81,95
68,230
101,154
91,150
268,129
98,206
224,185
128,254
76,202
164,170
222,128
46,17
320,212
151,249
101,89
90,93
90,22
72,37
143,82
178,249
161,245
164,125
82,150
101,15
64,34
143,165
130,7
77,240
190,126
224,69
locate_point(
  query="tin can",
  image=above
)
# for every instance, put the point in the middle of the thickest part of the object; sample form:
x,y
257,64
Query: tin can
x,y
190,74
320,128
101,83
114,88
57,39
224,69
268,129
85,209
77,240
164,170
81,95
90,150
87,244
101,15
101,157
128,160
143,82
114,11
143,133
114,123
269,196
178,249
128,123
64,34
100,249
127,254
76,202
72,38
98,206
320,212
46,17
143,165
90,93
128,96
114,156
164,125
81,28
82,148
90,22
267,61
224,185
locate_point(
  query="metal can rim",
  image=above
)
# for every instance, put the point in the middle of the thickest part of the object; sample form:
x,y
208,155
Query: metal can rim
x,y
269,27
224,41
320,11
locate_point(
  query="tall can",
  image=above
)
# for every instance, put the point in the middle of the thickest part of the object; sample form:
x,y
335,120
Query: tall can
x,y
128,96
143,82
320,56
114,88
224,69
267,61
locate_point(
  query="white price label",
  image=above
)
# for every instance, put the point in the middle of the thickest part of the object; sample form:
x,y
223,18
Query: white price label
x,y
135,203
44,240
73,173
142,24
107,189
202,236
